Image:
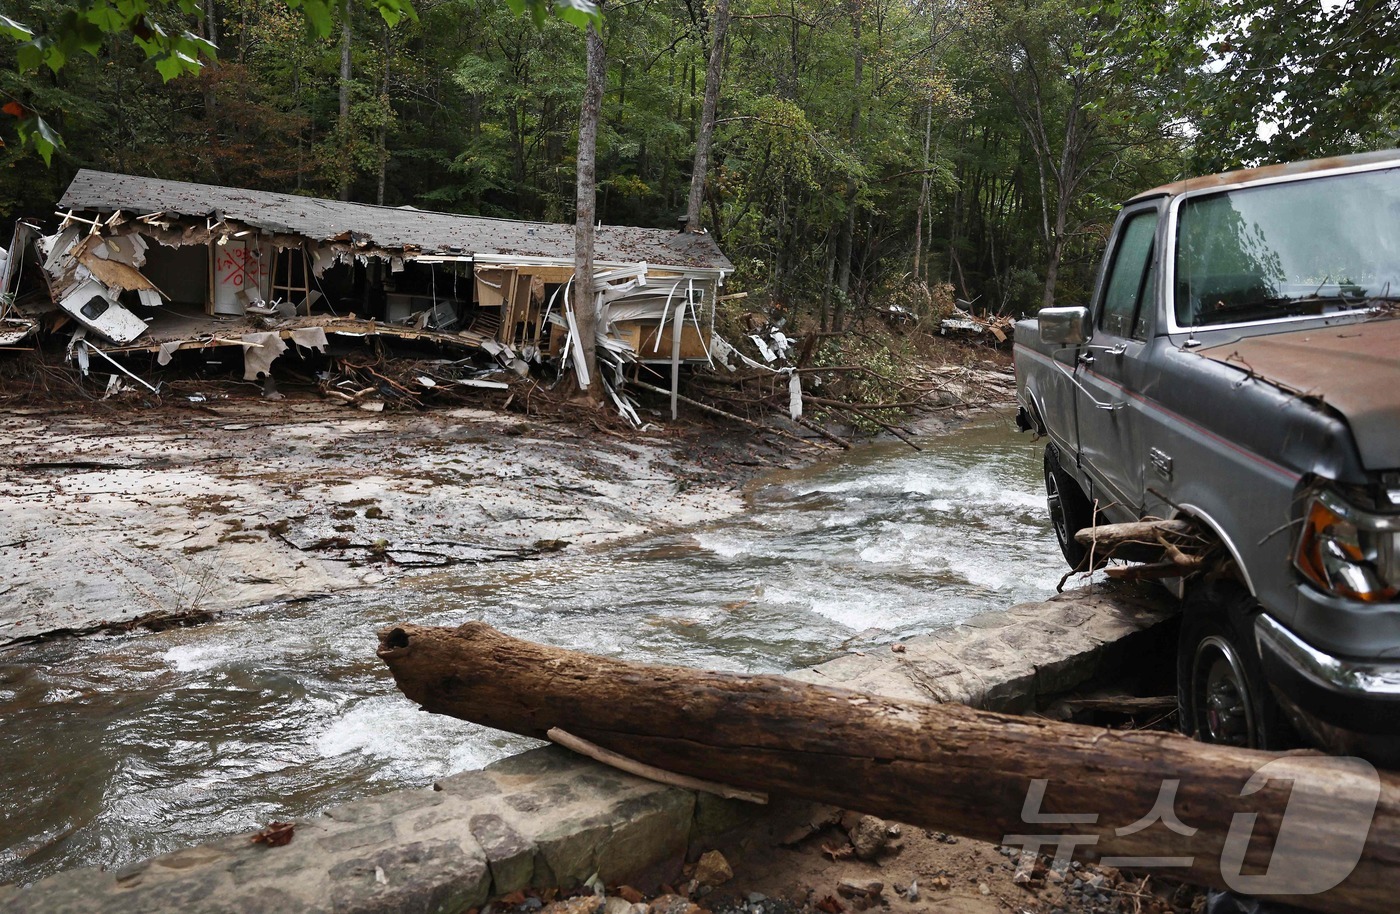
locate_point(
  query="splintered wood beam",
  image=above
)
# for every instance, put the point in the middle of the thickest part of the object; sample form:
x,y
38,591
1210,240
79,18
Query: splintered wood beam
x,y
1011,780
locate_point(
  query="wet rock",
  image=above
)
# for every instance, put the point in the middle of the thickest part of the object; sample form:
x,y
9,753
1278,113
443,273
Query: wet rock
x,y
583,904
616,905
632,895
713,869
673,904
869,837
854,888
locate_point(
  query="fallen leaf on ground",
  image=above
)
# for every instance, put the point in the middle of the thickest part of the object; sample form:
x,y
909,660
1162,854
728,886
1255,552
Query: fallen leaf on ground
x,y
275,835
830,905
838,853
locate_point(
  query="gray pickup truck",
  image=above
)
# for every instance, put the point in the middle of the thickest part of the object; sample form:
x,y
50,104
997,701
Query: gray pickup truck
x,y
1239,367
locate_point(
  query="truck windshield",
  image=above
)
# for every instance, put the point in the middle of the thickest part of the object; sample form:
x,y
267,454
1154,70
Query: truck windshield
x,y
1307,247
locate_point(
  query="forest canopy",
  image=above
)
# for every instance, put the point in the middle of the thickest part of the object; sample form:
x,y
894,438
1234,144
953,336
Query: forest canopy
x,y
865,151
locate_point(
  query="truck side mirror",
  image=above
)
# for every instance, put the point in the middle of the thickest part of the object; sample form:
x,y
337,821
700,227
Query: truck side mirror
x,y
1066,326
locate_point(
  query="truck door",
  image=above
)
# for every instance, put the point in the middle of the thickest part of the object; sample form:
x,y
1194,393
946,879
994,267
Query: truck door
x,y
1109,419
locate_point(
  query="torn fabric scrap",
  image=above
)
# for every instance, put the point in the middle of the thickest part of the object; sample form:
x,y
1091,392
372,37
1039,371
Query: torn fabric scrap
x,y
167,351
763,349
260,350
310,338
794,396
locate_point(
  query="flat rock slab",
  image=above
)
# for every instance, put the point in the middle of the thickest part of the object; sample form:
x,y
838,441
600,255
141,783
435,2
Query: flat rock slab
x,y
107,519
1016,660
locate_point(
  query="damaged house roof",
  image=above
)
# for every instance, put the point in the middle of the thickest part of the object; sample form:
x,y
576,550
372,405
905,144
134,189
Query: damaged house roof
x,y
392,229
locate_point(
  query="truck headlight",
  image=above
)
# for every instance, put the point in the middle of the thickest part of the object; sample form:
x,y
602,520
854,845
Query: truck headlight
x,y
1349,552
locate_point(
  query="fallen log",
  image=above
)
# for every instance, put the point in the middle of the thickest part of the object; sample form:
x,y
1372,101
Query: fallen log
x,y
1212,815
1107,536
1139,541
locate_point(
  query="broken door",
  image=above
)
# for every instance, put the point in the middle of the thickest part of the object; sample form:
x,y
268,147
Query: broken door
x,y
240,272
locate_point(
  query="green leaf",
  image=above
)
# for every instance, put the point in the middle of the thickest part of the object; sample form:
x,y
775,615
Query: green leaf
x,y
107,19
395,11
30,55
35,131
54,57
16,30
318,16
581,13
172,65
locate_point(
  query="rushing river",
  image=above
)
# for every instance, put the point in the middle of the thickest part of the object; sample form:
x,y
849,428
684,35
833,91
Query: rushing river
x,y
114,749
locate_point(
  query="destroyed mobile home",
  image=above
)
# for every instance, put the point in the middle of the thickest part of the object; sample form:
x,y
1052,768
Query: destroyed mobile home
x,y
144,266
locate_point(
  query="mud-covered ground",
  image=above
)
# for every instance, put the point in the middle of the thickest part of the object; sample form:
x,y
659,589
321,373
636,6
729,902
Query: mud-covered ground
x,y
121,514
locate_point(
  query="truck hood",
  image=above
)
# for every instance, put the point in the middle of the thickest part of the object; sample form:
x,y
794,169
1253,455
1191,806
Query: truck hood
x,y
1353,368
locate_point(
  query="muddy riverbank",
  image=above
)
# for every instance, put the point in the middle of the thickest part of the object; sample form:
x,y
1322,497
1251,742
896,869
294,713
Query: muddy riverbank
x,y
121,515
111,517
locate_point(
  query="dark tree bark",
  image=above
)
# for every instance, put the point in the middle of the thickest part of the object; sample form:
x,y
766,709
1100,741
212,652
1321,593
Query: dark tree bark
x,y
938,766
707,117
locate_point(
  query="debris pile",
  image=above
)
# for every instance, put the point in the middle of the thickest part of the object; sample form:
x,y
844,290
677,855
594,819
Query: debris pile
x,y
785,382
372,382
968,325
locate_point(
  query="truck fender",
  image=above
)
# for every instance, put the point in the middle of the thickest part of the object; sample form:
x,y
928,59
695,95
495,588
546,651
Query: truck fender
x,y
1033,411
1192,512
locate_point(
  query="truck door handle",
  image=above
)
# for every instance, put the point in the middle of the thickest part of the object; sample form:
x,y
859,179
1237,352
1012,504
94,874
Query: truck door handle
x,y
1085,359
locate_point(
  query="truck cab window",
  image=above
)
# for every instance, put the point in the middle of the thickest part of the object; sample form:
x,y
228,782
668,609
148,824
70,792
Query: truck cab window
x,y
1128,278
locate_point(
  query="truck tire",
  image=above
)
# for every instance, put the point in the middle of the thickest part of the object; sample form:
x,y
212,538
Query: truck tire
x,y
1070,509
1222,696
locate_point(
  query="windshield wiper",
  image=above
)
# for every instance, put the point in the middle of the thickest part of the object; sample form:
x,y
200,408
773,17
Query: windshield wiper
x,y
1286,306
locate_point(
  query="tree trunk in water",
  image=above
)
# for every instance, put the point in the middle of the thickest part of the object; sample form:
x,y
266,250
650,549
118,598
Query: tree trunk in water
x,y
707,117
585,305
345,38
989,776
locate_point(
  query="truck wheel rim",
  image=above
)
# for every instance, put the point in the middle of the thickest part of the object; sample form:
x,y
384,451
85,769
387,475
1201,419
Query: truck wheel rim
x,y
1223,712
1056,505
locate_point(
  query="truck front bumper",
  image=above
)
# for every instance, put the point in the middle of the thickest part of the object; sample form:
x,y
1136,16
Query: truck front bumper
x,y
1350,707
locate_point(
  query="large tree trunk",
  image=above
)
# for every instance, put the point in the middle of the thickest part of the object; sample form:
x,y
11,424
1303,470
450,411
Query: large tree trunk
x,y
345,41
980,774
707,117
383,136
848,228
211,95
585,305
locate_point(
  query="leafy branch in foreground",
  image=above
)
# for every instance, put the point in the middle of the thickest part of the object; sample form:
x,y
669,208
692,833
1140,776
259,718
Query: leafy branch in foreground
x,y
581,13
150,25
